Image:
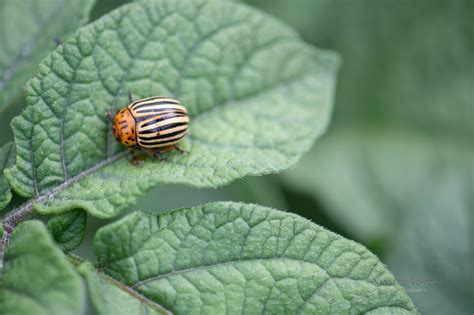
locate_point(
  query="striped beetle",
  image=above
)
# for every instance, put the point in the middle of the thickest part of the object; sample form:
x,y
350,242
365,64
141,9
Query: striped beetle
x,y
154,124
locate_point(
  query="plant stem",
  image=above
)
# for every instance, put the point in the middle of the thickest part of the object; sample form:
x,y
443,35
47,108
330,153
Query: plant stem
x,y
11,220
14,217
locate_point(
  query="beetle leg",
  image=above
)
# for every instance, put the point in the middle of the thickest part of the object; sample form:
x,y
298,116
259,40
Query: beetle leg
x,y
136,160
130,97
156,154
180,150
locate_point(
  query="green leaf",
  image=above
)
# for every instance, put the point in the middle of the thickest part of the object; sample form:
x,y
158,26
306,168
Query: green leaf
x,y
411,190
68,229
257,96
421,77
28,30
371,179
37,279
108,296
232,257
7,159
393,170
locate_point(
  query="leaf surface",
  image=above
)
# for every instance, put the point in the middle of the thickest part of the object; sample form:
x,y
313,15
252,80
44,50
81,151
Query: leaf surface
x,y
28,29
257,96
68,229
37,279
394,170
371,178
7,159
232,257
408,189
111,297
421,77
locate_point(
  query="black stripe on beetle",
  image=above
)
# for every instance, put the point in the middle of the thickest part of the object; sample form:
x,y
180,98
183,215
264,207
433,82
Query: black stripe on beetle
x,y
175,139
161,119
161,135
165,127
154,123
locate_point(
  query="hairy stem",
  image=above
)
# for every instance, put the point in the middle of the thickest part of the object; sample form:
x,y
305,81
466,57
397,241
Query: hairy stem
x,y
14,217
11,220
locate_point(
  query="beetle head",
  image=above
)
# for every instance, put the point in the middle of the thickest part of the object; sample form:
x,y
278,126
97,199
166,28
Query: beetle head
x,y
124,129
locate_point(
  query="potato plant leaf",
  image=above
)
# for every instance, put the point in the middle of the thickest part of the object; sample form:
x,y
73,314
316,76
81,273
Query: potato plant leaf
x,y
37,279
359,175
68,229
108,296
257,96
385,76
421,212
239,258
400,174
7,159
28,29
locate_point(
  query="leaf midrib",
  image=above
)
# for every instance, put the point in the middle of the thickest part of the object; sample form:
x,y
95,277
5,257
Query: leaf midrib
x,y
133,293
13,217
237,261
135,286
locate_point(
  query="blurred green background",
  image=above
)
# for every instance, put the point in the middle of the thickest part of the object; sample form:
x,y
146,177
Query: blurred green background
x,y
395,169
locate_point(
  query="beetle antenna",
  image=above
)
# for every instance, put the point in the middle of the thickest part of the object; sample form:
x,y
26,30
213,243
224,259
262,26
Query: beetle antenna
x,y
57,41
110,116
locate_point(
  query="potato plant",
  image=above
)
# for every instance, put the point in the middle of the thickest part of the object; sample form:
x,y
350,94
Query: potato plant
x,y
84,231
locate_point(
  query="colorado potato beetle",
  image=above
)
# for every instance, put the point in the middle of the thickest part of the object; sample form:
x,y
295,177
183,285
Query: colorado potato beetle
x,y
155,125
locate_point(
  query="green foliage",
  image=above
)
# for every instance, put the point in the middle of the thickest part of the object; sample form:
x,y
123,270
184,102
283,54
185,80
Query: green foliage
x,y
411,191
109,296
68,229
401,65
37,279
258,97
7,159
220,256
244,258
28,30
237,72
395,168
384,176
